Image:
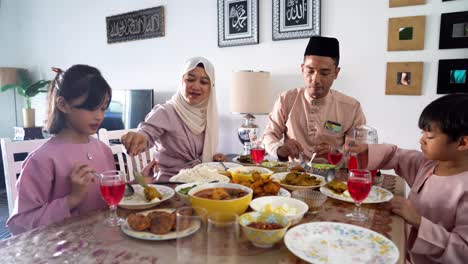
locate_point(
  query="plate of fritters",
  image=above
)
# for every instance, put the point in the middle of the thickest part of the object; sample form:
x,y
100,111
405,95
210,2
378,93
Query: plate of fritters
x,y
339,190
139,199
295,180
158,224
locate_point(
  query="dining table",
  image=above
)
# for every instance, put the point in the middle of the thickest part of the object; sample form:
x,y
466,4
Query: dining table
x,y
84,239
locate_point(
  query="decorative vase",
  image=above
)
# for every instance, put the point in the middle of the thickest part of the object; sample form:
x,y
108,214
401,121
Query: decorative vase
x,y
29,117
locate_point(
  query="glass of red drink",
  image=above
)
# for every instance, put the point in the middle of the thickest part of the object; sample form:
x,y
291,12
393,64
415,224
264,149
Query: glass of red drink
x,y
112,187
359,186
335,155
257,153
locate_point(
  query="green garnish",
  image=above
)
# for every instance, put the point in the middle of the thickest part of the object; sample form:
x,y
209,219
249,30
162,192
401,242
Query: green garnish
x,y
186,190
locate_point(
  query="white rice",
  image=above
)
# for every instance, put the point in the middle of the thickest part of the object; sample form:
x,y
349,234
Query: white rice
x,y
200,174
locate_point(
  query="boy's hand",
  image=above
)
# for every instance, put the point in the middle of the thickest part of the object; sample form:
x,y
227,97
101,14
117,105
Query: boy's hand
x,y
404,208
80,177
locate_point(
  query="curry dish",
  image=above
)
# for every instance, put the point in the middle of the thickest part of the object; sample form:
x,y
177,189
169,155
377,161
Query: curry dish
x,y
261,186
220,193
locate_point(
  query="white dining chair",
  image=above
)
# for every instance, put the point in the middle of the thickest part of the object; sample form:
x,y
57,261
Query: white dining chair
x,y
11,150
128,163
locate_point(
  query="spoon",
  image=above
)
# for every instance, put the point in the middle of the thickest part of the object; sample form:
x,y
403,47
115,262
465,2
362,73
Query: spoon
x,y
308,165
224,166
330,175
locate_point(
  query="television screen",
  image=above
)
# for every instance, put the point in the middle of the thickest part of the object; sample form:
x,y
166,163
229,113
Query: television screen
x,y
127,109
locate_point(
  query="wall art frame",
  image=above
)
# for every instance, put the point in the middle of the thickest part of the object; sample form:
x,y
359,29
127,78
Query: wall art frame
x,y
417,24
404,78
294,19
451,77
398,3
238,22
453,30
136,25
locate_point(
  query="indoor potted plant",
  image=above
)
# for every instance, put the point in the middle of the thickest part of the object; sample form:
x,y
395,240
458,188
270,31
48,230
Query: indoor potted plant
x,y
27,88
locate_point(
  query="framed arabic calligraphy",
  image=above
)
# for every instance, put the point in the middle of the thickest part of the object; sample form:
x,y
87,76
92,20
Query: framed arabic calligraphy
x,y
141,24
293,19
237,22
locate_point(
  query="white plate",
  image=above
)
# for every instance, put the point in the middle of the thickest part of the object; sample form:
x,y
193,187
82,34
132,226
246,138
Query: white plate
x,y
138,200
327,242
146,235
376,195
281,175
218,166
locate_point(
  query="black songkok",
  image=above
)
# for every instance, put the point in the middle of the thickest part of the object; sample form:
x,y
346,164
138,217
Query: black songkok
x,y
323,46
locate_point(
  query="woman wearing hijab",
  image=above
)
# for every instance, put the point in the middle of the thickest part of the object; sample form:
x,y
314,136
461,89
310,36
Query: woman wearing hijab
x,y
184,130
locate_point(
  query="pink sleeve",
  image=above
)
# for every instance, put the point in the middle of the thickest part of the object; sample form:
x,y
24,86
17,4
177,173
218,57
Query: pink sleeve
x,y
155,125
406,163
441,245
32,206
276,127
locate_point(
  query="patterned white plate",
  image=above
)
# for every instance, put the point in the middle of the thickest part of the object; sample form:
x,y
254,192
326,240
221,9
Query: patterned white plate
x,y
376,195
218,166
138,201
327,242
146,235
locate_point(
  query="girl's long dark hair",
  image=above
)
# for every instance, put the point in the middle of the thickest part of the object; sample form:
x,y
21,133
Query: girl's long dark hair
x,y
77,81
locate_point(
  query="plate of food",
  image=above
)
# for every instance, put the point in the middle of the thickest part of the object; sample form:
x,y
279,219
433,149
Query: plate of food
x,y
276,166
243,159
142,199
330,242
200,174
339,190
295,180
158,224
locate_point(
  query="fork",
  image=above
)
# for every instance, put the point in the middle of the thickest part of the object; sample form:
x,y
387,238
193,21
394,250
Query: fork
x,y
307,166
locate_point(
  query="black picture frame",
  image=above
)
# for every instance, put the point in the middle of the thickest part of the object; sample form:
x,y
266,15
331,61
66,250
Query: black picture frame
x,y
294,19
448,22
237,22
140,24
446,82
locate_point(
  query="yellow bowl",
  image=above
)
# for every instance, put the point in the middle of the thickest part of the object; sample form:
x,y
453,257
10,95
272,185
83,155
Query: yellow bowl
x,y
237,206
245,173
260,237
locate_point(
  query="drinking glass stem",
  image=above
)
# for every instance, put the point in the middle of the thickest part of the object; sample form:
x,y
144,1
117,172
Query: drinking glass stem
x,y
113,213
357,209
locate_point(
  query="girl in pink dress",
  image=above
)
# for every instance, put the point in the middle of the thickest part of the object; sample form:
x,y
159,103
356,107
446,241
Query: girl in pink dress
x,y
57,179
436,211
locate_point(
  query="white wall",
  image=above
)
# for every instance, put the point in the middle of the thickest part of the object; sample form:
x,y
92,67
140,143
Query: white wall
x,y
62,33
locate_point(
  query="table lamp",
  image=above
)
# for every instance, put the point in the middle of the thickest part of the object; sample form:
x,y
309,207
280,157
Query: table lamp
x,y
250,95
9,76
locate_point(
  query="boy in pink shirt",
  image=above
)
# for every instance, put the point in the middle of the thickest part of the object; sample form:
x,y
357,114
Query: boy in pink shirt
x,y
436,210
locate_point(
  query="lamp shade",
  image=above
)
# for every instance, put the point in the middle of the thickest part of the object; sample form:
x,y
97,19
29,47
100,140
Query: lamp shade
x,y
8,75
251,92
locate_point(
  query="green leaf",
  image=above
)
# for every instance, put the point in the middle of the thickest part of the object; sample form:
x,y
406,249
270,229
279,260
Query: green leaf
x,y
34,88
8,87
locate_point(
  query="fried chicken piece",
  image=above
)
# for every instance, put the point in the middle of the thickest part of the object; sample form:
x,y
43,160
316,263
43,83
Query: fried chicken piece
x,y
161,222
297,168
337,186
139,222
220,194
271,188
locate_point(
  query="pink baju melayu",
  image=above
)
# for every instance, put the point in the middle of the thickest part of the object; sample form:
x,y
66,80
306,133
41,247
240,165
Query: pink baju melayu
x,y
44,184
442,202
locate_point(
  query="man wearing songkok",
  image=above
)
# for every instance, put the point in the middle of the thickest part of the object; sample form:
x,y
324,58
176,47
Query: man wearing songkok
x,y
313,118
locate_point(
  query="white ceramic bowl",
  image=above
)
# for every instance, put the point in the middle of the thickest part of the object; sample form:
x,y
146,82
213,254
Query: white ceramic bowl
x,y
260,204
281,175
